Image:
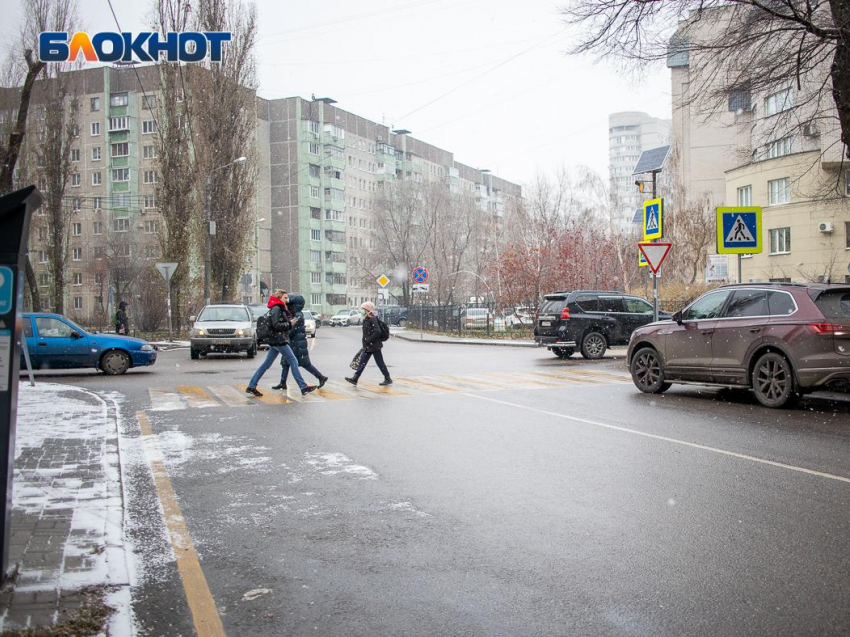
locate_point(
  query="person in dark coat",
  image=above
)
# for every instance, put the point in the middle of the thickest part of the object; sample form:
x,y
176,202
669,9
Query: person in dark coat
x,y
281,321
298,343
122,321
372,345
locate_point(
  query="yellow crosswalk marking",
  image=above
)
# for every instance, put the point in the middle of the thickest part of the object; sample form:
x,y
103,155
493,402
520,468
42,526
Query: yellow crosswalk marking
x,y
230,396
328,393
269,397
476,384
417,387
566,378
197,396
429,381
165,399
517,380
347,390
385,391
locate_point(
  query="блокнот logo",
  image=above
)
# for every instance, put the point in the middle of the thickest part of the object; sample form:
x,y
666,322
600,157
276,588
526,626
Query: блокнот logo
x,y
188,46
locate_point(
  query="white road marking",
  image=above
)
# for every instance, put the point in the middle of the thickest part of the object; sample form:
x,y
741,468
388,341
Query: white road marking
x,y
684,443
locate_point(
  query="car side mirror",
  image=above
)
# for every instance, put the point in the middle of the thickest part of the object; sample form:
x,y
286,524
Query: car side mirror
x,y
75,335
192,318
678,317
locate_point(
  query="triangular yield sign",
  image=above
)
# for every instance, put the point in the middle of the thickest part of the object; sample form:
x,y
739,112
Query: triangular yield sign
x,y
655,253
739,233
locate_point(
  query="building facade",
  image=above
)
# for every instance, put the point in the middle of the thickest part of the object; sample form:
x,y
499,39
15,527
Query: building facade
x,y
629,134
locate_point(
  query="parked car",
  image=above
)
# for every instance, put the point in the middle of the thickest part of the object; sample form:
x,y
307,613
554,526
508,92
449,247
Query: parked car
x,y
780,340
590,321
223,328
310,323
477,318
394,315
56,342
346,317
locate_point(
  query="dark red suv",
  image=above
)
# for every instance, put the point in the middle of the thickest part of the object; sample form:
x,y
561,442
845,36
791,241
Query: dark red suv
x,y
781,340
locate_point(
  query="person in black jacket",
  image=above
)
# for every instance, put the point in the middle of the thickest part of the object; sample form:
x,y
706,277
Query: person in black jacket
x,y
298,343
372,345
122,321
281,321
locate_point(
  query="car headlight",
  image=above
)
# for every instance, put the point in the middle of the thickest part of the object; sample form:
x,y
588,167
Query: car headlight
x,y
198,332
244,332
147,348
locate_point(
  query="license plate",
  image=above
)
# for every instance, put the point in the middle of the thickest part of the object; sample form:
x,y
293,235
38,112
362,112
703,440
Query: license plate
x,y
221,341
546,323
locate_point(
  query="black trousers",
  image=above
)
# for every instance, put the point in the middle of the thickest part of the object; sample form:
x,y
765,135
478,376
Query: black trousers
x,y
379,361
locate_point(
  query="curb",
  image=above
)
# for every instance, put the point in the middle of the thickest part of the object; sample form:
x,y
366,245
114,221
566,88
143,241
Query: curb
x,y
446,341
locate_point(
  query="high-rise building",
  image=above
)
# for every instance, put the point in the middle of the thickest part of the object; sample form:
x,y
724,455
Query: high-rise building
x,y
629,134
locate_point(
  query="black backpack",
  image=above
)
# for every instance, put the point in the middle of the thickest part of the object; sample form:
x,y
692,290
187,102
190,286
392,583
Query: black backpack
x,y
264,327
385,330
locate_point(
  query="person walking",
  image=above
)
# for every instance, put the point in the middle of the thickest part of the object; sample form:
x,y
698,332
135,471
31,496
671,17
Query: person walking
x,y
298,343
281,321
372,345
122,321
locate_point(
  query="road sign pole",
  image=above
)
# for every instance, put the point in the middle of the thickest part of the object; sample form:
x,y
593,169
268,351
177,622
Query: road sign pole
x,y
740,260
655,297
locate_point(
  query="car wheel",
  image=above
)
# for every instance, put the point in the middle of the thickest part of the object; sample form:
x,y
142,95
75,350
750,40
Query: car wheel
x,y
252,351
593,345
563,352
773,381
402,322
194,354
647,373
115,362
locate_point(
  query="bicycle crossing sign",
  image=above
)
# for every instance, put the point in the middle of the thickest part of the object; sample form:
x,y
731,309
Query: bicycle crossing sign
x,y
739,230
653,219
420,274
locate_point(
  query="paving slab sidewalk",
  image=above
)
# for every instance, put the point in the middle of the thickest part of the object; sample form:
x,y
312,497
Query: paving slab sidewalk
x,y
67,518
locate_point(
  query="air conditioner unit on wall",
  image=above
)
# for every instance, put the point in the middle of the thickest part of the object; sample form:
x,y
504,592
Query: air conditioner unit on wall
x,y
810,130
825,226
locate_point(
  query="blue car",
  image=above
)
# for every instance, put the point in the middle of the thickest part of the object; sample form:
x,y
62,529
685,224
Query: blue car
x,y
55,342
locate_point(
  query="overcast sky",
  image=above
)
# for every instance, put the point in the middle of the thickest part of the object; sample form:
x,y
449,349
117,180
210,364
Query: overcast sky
x,y
486,79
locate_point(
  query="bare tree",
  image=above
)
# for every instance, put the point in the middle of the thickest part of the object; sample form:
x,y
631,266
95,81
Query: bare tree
x,y
750,47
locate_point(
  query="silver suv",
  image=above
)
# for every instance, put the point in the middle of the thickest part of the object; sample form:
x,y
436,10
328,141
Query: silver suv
x,y
223,328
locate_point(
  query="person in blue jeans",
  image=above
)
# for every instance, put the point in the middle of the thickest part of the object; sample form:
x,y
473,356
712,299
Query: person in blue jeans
x,y
298,343
281,321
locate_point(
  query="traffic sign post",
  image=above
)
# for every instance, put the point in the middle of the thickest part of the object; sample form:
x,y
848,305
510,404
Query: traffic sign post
x,y
653,219
420,281
167,271
739,232
654,253
420,274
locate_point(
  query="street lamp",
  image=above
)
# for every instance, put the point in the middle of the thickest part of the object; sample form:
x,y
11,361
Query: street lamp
x,y
210,230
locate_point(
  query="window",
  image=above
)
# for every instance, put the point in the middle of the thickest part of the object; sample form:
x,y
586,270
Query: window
x,y
98,253
315,171
121,225
315,235
314,191
847,183
745,196
315,256
779,191
95,153
314,148
78,303
43,279
97,227
121,199
118,124
780,303
52,328
313,127
747,303
150,201
779,148
780,240
76,180
78,278
119,99
334,215
150,177
151,227
42,256
76,229
95,129
95,104
122,250
149,101
120,150
778,102
75,154
97,203
148,127
847,234
637,306
75,131
121,174
315,277
149,152
706,307
77,254
151,252
96,178
315,213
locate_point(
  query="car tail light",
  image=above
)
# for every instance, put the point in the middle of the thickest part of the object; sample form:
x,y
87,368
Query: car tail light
x,y
565,314
826,328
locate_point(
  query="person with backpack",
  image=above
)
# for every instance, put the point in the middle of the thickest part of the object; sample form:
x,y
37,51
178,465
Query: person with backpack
x,y
375,332
298,342
122,321
279,321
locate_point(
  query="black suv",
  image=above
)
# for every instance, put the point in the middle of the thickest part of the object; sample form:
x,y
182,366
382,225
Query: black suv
x,y
394,315
590,320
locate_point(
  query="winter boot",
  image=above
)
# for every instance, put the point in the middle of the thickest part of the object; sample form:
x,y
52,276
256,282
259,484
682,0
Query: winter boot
x,y
387,381
351,379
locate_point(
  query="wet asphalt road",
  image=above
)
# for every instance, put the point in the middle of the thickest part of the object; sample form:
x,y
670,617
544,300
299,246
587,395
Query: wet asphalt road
x,y
579,507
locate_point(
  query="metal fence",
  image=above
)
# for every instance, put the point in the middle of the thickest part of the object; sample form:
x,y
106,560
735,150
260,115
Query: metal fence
x,y
469,320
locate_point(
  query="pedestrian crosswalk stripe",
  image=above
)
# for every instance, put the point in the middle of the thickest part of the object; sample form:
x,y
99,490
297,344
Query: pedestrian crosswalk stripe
x,y
204,397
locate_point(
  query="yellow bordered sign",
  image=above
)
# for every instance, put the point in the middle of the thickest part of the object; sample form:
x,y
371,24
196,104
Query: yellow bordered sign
x,y
739,230
653,219
642,263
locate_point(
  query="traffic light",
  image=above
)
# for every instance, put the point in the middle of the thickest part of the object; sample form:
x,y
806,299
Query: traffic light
x,y
639,185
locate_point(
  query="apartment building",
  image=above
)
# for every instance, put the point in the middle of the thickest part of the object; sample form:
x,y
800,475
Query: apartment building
x,y
327,168
629,134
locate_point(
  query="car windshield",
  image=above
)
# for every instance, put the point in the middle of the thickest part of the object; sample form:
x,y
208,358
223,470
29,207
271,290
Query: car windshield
x,y
308,316
215,314
258,310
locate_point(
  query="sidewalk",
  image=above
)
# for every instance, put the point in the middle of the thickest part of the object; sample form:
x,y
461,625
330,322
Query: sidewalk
x,y
67,516
409,335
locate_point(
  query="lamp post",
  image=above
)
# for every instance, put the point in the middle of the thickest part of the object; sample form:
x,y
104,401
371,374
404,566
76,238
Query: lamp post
x,y
210,230
257,254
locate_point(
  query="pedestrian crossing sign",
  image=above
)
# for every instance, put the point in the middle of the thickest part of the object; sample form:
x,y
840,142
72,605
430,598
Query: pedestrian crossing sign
x,y
739,230
642,262
653,219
